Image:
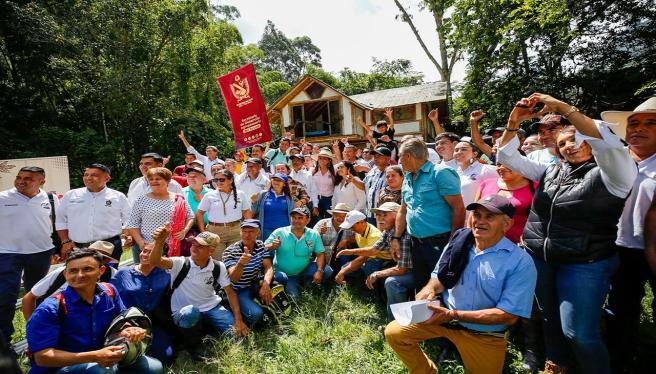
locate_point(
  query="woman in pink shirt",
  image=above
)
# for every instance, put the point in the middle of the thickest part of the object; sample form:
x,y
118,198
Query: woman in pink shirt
x,y
517,189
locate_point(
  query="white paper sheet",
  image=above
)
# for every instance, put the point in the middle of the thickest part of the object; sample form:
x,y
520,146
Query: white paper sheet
x,y
412,311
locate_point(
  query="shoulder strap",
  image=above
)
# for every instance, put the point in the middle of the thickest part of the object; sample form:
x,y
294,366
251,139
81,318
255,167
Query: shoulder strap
x,y
216,273
108,288
182,274
51,198
58,282
62,310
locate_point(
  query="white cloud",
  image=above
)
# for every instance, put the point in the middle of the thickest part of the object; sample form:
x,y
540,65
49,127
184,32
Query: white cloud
x,y
348,32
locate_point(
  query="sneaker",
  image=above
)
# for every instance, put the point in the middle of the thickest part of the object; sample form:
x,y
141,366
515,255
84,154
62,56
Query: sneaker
x,y
530,361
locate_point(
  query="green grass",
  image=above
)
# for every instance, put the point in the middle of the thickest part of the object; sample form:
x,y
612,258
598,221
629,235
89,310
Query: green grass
x,y
336,330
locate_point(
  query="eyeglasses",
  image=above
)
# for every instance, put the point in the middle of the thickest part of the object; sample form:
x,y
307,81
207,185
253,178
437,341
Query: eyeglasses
x,y
219,180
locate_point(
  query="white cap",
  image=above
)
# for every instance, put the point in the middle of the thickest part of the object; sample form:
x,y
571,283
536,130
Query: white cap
x,y
352,218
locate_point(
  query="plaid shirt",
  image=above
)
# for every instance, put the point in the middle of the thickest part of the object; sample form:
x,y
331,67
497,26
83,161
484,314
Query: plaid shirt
x,y
405,258
297,191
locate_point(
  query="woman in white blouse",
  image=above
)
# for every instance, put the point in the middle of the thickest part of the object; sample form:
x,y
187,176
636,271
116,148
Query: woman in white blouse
x,y
324,179
226,207
470,170
346,191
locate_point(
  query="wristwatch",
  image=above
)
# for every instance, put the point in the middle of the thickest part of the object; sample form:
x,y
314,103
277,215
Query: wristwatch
x,y
396,238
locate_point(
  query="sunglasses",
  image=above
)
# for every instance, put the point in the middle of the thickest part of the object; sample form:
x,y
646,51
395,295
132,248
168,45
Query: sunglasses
x,y
219,179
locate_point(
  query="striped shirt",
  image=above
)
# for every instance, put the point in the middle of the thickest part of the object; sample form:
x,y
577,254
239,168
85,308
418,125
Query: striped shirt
x,y
252,269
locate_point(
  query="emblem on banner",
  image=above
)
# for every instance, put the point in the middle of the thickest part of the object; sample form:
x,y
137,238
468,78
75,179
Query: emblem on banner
x,y
240,88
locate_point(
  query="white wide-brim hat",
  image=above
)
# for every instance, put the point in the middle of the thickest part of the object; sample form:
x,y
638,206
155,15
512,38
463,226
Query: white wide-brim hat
x,y
618,119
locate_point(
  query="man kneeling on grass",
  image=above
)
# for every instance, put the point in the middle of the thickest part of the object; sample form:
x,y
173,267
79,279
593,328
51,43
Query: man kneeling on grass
x,y
67,331
487,283
295,245
194,296
366,235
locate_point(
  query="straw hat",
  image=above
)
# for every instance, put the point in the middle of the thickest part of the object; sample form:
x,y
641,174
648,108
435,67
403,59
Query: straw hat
x,y
340,208
326,153
618,119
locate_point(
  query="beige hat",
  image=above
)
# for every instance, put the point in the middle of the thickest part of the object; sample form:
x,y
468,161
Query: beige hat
x,y
389,206
340,208
209,239
105,249
618,119
325,153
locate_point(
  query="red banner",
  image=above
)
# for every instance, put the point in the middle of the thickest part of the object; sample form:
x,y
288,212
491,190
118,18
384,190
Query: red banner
x,y
246,108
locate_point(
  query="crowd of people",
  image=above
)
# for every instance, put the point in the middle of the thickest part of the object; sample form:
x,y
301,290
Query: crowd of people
x,y
532,238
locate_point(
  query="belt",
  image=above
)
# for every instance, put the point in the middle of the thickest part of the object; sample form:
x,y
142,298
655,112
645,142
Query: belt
x,y
111,240
325,197
432,239
457,326
227,224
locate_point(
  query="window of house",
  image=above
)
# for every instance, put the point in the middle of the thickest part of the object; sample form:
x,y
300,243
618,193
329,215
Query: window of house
x,y
401,114
317,118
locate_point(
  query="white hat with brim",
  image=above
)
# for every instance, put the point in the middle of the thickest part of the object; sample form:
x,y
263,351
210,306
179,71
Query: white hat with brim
x,y
340,208
352,218
326,153
618,119
104,249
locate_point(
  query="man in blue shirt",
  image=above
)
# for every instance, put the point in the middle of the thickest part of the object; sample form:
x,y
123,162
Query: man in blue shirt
x,y
295,245
431,204
67,332
495,288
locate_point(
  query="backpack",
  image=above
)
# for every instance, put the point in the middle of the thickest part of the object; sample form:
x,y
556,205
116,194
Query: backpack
x,y
56,241
280,307
216,273
62,310
60,280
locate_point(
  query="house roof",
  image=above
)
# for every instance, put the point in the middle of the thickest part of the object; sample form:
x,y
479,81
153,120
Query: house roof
x,y
402,96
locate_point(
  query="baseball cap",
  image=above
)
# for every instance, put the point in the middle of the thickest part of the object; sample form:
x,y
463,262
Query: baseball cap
x,y
105,249
102,167
389,206
382,122
196,168
495,204
301,210
207,238
550,119
383,151
250,223
298,155
495,129
280,176
352,218
254,160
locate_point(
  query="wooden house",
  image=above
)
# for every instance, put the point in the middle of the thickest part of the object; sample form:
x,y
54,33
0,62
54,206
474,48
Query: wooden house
x,y
319,112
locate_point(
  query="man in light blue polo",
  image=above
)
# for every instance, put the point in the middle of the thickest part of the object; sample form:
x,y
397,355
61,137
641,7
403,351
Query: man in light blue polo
x,y
295,246
431,204
487,283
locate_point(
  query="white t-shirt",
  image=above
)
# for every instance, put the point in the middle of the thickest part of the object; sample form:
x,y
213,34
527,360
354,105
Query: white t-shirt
x,y
25,222
471,178
196,289
90,216
215,201
139,187
42,286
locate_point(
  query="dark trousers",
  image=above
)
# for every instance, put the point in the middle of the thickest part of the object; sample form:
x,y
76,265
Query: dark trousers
x,y
625,303
324,205
425,253
32,267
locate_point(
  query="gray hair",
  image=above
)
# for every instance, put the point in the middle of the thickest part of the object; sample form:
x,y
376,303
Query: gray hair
x,y
415,147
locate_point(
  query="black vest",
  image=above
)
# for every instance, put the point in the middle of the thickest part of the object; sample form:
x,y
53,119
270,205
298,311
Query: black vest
x,y
573,218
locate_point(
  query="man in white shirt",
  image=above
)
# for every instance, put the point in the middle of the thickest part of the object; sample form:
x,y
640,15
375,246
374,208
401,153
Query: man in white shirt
x,y
211,156
91,213
253,180
547,130
628,283
26,241
195,296
139,186
305,178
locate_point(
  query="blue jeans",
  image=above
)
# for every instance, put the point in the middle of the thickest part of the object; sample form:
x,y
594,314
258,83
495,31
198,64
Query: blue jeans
x,y
218,318
144,364
136,251
397,288
32,267
571,297
251,311
324,206
292,282
371,265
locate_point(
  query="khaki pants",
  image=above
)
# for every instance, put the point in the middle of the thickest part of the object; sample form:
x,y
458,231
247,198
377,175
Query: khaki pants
x,y
481,354
229,235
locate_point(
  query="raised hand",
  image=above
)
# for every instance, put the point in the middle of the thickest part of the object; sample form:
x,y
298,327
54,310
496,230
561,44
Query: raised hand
x,y
476,116
433,115
162,232
389,112
246,256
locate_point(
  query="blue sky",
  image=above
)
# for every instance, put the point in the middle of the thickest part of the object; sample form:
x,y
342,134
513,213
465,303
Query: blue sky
x,y
348,32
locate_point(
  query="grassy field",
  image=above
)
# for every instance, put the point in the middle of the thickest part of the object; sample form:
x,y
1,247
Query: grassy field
x,y
338,330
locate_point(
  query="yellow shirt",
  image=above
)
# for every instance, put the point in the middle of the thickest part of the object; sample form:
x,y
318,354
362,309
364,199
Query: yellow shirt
x,y
371,236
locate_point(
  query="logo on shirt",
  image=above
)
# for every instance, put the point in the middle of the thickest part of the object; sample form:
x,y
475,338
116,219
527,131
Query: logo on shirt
x,y
209,281
108,203
45,205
